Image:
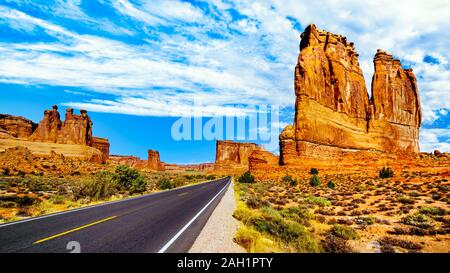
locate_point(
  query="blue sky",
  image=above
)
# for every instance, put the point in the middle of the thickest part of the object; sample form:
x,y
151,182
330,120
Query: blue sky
x,y
137,65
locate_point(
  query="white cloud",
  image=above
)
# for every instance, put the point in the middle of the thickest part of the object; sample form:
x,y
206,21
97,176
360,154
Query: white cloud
x,y
252,62
429,140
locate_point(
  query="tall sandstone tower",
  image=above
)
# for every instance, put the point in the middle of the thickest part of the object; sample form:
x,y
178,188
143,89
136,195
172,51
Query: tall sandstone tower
x,y
333,111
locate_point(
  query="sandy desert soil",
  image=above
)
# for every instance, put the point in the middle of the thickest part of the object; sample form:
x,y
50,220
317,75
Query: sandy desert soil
x,y
409,212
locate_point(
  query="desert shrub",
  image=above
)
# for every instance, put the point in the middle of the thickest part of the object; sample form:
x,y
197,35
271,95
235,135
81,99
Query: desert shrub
x,y
138,185
331,184
417,220
247,238
7,204
386,172
255,202
344,232
314,181
369,220
210,177
314,171
6,171
57,199
389,241
125,176
246,177
321,201
405,200
38,185
432,211
102,186
334,244
130,179
165,184
20,201
289,180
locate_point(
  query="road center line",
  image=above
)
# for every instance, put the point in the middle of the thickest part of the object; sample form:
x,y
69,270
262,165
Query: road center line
x,y
73,230
174,238
181,194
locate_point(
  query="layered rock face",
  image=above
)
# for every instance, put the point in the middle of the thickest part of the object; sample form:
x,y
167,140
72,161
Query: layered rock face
x,y
102,144
154,161
231,154
76,129
16,127
132,161
333,112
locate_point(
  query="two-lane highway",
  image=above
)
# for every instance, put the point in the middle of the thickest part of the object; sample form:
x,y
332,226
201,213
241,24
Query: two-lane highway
x,y
167,221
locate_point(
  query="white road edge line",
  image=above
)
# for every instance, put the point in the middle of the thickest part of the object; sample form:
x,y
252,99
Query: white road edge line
x,y
101,204
174,238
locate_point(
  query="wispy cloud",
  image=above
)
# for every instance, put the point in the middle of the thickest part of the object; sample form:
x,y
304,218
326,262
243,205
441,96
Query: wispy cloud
x,y
154,56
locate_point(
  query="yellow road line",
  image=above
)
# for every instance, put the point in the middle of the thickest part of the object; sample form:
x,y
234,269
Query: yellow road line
x,y
73,230
184,193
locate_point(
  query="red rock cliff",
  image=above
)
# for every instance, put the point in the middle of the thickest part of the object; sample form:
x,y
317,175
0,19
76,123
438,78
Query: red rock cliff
x,y
154,161
231,154
333,112
16,127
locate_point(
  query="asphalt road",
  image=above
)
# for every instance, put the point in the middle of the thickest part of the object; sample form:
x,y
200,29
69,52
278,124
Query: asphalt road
x,y
167,221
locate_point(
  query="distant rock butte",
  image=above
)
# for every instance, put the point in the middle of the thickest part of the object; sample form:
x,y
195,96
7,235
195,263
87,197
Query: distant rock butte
x,y
231,154
154,161
333,111
16,127
76,129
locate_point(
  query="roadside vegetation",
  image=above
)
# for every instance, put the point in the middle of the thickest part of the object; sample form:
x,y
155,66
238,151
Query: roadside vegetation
x,y
362,212
27,195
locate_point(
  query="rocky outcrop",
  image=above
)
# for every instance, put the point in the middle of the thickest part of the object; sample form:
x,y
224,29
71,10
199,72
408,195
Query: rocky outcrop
x,y
131,161
16,127
231,154
154,161
189,167
76,129
102,144
333,112
49,128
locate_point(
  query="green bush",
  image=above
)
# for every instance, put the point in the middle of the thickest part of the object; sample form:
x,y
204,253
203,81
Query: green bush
x,y
102,186
331,184
130,179
417,220
314,181
386,172
344,232
5,171
314,171
138,185
289,180
321,201
165,184
21,201
246,177
432,211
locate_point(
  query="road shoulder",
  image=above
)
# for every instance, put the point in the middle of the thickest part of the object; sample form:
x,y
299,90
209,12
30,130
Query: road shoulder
x,y
217,234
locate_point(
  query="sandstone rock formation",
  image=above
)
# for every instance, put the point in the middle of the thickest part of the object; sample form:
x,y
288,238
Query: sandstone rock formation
x,y
333,112
102,144
231,154
131,161
201,167
75,130
154,161
16,127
